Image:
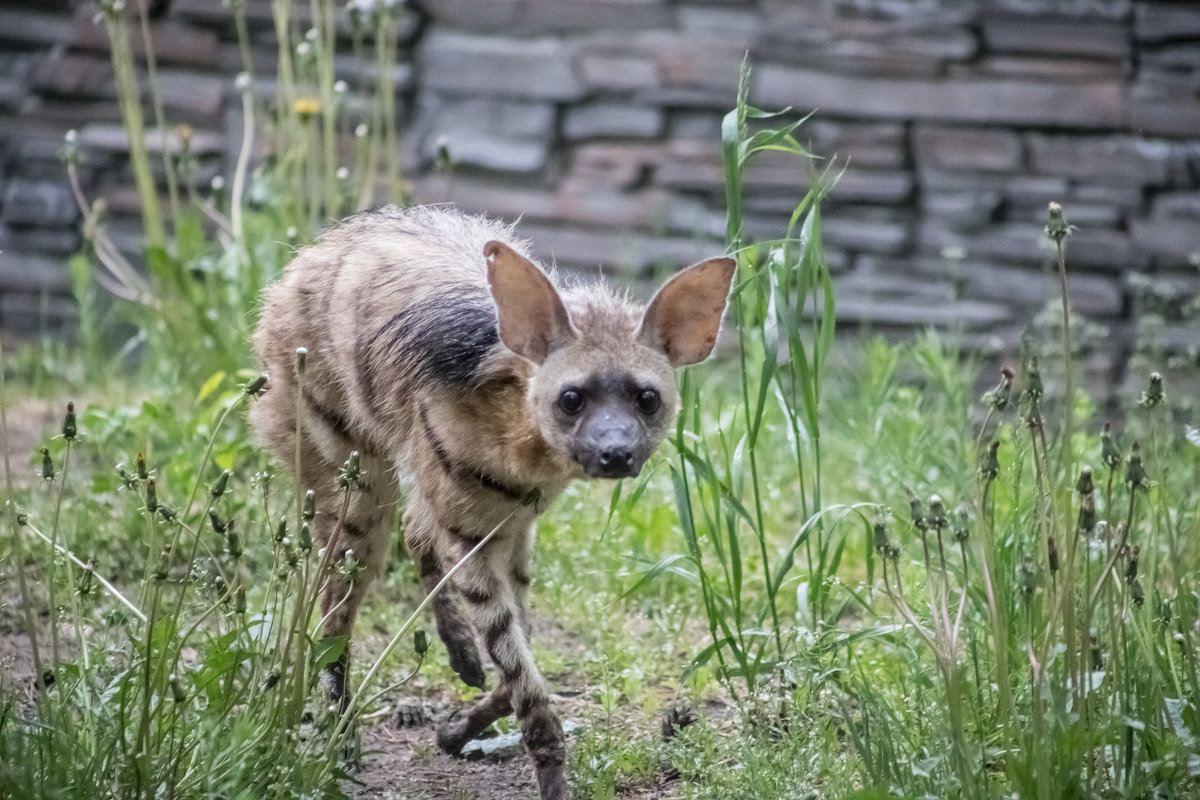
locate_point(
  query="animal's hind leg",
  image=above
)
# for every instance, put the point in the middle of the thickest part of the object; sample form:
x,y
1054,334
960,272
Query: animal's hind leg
x,y
454,629
357,521
463,726
362,527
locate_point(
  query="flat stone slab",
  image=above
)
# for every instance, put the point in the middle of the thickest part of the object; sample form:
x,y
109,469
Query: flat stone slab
x,y
505,745
1091,104
467,64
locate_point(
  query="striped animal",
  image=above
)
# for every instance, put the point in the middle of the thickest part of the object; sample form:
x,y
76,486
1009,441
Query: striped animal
x,y
458,369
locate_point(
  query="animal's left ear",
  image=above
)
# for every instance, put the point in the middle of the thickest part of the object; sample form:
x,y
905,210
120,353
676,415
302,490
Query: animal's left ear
x,y
683,318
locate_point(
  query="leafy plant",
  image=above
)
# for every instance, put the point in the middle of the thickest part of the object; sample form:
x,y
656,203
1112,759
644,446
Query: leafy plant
x,y
194,306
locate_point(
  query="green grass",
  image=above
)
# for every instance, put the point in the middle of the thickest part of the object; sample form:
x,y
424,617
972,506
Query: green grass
x,y
782,567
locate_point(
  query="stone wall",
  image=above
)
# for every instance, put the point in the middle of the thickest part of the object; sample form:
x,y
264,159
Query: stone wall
x,y
597,122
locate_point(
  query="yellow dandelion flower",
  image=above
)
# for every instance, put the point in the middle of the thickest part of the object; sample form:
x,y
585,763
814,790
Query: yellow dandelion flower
x,y
306,106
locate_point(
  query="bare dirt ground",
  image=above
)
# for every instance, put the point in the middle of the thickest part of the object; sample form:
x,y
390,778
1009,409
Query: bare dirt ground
x,y
28,422
404,763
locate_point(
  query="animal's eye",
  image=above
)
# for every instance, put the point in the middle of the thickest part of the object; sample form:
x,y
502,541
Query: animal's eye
x,y
571,401
648,401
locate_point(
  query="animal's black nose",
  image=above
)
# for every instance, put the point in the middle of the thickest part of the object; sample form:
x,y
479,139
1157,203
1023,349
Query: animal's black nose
x,y
616,458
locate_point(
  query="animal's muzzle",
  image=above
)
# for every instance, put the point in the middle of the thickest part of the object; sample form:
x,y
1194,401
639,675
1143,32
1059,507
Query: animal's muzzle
x,y
610,448
616,462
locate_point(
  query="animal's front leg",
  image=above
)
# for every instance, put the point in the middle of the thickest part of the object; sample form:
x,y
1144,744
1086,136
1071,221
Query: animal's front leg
x,y
497,615
422,531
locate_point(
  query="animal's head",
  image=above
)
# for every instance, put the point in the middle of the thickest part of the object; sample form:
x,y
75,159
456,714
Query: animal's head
x,y
604,389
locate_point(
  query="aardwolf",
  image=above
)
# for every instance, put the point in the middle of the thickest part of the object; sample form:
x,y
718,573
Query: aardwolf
x,y
440,352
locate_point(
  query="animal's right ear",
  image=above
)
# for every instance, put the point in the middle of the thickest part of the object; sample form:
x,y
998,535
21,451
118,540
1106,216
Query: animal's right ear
x,y
684,317
533,319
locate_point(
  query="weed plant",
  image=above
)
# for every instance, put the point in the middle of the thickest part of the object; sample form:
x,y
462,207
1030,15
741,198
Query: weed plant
x,y
209,250
1031,632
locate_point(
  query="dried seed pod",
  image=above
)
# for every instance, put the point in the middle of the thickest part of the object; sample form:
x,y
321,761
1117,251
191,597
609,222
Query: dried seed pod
x,y
1087,501
310,506
1034,389
239,600
83,586
879,526
233,543
1154,394
68,425
177,693
257,386
1057,229
1110,454
962,524
1135,471
221,485
998,396
916,511
1131,568
350,475
350,565
163,568
989,466
937,514
47,465
127,479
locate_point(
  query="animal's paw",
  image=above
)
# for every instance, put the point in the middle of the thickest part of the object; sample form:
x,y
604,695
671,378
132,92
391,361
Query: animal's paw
x,y
464,659
454,733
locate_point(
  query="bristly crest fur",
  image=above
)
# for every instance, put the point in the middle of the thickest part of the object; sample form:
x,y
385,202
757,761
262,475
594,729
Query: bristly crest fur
x,y
442,354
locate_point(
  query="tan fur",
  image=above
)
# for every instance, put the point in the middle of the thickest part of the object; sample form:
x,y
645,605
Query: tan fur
x,y
441,353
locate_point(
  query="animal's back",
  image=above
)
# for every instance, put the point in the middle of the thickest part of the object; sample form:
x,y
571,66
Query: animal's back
x,y
390,304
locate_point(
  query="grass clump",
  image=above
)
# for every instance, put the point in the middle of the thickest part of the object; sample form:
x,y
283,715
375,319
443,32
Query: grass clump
x,y
196,685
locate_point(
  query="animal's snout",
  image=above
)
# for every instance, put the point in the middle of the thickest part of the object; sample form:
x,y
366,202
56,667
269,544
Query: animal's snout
x,y
611,445
616,458
610,462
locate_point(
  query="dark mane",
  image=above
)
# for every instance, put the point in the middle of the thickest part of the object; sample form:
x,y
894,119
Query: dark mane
x,y
444,337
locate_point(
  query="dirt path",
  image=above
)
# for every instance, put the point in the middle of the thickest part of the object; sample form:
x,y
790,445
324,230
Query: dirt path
x,y
406,763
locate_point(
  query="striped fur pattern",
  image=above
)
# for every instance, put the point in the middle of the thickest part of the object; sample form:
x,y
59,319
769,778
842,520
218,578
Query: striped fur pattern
x,y
456,367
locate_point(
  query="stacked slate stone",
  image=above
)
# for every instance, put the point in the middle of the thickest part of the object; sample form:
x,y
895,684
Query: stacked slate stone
x,y
55,76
